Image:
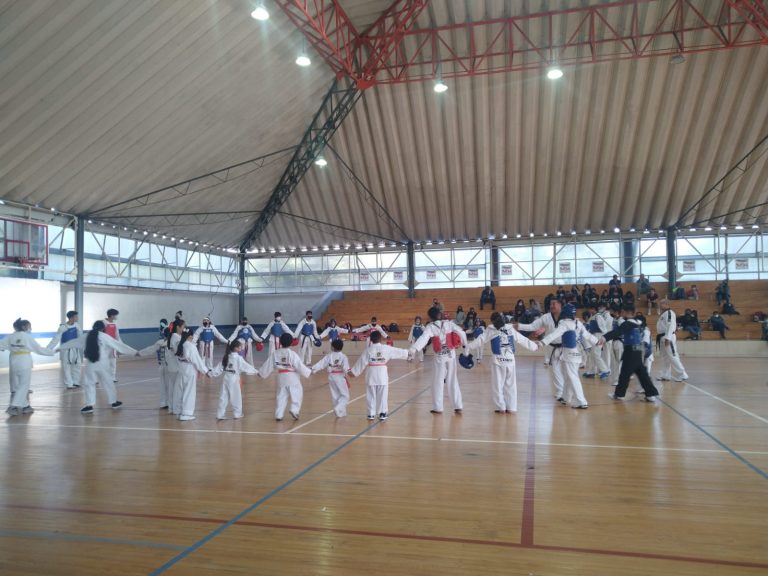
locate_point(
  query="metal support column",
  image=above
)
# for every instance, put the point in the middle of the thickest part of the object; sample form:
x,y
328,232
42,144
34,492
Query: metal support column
x,y
79,266
671,259
628,261
411,270
495,275
241,288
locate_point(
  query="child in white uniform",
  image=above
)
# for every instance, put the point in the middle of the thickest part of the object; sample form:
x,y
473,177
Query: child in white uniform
x,y
232,365
306,332
190,364
416,331
159,350
372,327
273,331
374,358
71,360
337,365
289,367
21,344
204,337
333,332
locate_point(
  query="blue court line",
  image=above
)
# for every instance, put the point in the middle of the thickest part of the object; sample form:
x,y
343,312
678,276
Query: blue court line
x,y
721,444
83,538
211,535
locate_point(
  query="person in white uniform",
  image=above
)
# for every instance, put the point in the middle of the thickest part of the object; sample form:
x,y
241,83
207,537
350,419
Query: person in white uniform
x,y
595,363
274,330
545,325
232,366
371,327
190,363
204,336
246,334
605,324
374,361
174,366
446,337
568,356
503,338
306,332
111,329
99,348
417,329
21,345
159,351
337,365
71,360
666,327
333,332
289,367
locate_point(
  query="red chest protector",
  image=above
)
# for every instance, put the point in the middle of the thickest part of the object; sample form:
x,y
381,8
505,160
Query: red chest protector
x,y
111,330
452,341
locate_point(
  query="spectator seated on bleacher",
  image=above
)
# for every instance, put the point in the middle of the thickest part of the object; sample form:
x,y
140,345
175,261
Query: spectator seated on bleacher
x,y
588,296
643,286
764,335
604,300
520,310
677,293
460,316
690,323
575,298
534,309
729,309
653,300
488,297
560,294
723,293
717,323
629,299
469,320
692,293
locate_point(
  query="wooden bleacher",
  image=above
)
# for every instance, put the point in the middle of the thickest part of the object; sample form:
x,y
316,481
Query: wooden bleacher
x,y
390,306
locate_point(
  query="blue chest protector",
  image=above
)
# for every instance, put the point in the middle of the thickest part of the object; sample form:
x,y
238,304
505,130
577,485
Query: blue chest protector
x,y
569,339
593,327
417,332
477,332
161,354
648,350
307,329
334,334
276,330
207,335
634,337
497,344
69,334
245,334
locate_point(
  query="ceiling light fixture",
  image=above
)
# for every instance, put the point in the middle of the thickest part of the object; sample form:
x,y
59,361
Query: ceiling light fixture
x,y
440,87
322,162
260,13
554,73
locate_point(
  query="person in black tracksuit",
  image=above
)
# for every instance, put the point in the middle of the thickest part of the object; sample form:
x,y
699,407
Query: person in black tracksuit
x,y
631,333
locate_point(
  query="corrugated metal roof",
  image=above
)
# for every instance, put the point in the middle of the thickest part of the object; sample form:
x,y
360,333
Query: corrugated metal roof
x,y
104,100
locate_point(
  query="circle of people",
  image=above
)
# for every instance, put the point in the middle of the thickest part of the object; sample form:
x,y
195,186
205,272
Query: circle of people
x,y
609,340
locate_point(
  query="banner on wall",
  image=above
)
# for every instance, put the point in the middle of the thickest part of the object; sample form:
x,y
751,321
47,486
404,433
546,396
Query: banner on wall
x,y
398,276
473,273
689,265
431,275
506,269
598,266
364,277
742,264
564,267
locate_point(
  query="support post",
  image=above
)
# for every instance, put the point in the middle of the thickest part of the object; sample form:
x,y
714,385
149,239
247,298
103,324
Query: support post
x,y
80,267
627,261
671,259
411,270
495,272
241,288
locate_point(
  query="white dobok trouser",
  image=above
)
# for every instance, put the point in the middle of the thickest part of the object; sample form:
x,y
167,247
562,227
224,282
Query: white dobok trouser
x,y
20,372
174,388
445,374
556,371
570,359
339,393
288,386
306,348
377,396
188,374
71,363
100,372
230,394
206,352
671,366
504,383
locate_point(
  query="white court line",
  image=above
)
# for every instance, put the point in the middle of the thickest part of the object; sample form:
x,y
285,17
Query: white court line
x,y
386,437
292,430
747,412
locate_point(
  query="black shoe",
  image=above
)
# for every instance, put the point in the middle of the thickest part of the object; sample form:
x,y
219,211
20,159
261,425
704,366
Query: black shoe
x,y
278,419
117,405
87,410
498,411
562,401
383,416
371,417
163,407
458,411
435,412
294,416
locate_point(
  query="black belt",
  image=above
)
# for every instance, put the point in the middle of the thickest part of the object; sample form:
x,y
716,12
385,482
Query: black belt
x,y
230,371
556,345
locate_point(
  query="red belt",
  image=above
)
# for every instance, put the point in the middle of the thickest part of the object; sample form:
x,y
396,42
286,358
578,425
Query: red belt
x,y
284,371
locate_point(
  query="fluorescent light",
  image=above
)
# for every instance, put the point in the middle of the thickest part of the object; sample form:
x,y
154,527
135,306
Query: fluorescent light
x,y
531,234
559,233
708,229
503,236
739,227
440,87
723,227
260,14
53,209
2,202
322,162
573,232
755,226
303,60
90,221
554,73
518,235
602,231
692,230
631,229
587,232
145,233
545,234
616,230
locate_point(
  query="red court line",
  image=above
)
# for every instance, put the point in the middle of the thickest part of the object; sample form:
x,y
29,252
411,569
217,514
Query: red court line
x,y
529,493
402,536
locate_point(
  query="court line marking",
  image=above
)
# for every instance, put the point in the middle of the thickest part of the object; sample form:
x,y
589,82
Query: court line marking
x,y
529,490
324,414
211,535
739,408
717,440
389,437
401,536
42,535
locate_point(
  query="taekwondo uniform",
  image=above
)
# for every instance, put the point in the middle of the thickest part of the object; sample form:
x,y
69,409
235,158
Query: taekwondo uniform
x,y
306,332
161,352
568,356
503,373
371,328
101,370
337,365
230,385
671,366
21,345
273,331
374,360
595,363
71,360
289,367
111,329
333,332
204,337
416,331
631,334
246,334
551,359
445,362
174,375
189,365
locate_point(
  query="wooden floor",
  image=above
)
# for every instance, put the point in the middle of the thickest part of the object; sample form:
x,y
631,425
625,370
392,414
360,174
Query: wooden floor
x,y
632,488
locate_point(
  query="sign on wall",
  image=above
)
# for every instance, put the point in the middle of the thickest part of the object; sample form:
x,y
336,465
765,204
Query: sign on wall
x,y
431,274
689,265
598,266
742,264
564,267
506,269
473,273
398,276
364,277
